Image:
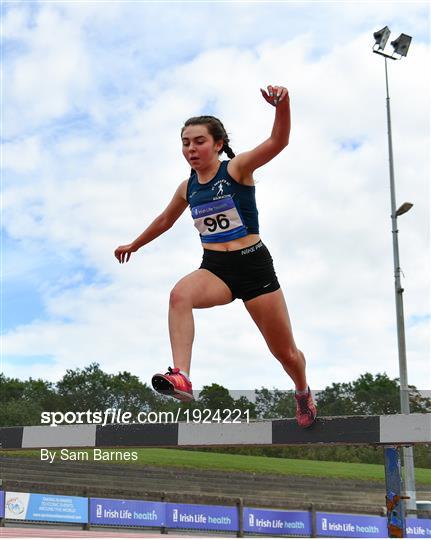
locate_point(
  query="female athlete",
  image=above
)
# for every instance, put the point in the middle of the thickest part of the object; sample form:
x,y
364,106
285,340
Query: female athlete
x,y
235,264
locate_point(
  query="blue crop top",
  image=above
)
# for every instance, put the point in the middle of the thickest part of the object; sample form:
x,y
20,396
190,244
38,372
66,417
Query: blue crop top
x,y
222,209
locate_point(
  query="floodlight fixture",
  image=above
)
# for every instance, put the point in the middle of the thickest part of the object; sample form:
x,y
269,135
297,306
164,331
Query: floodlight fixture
x,y
401,44
381,37
405,207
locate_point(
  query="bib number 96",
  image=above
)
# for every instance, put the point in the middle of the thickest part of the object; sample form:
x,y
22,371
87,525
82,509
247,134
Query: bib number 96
x,y
220,221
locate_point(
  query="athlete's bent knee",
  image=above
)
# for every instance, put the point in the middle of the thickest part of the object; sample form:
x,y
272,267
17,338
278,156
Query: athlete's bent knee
x,y
290,357
179,297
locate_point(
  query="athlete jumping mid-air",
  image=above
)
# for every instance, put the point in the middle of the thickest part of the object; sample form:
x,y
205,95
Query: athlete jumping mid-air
x,y
235,263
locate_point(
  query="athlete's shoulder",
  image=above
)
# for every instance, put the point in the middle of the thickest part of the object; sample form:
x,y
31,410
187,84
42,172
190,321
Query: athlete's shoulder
x,y
234,170
182,189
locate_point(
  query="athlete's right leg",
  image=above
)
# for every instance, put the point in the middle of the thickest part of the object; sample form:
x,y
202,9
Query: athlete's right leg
x,y
200,289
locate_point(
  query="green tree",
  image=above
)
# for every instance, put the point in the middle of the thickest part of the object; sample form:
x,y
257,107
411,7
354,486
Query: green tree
x,y
92,389
19,413
336,400
85,389
130,394
10,388
42,392
275,403
244,405
368,395
23,401
216,397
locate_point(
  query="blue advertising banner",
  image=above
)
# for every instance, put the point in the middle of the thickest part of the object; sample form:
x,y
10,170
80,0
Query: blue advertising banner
x,y
127,512
351,525
258,520
1,504
199,516
418,528
44,507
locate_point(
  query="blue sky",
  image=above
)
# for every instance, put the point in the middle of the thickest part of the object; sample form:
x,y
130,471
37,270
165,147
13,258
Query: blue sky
x,y
93,98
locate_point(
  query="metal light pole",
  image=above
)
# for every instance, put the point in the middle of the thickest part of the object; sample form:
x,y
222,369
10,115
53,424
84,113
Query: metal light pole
x,y
401,46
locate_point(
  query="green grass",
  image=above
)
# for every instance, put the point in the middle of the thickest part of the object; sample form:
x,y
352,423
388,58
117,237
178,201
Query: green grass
x,y
162,457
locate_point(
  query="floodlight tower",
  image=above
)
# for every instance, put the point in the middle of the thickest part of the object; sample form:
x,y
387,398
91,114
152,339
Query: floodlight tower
x,y
401,46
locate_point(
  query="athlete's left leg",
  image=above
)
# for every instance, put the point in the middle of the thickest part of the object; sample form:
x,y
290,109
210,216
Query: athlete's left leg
x,y
269,312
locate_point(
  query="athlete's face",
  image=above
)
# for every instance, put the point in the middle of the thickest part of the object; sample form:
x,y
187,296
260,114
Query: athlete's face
x,y
199,147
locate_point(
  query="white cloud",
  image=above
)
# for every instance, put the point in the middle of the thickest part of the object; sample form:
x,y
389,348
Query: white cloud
x,y
13,153
51,77
324,210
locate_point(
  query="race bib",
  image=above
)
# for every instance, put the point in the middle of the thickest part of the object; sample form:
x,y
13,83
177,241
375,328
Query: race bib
x,y
217,217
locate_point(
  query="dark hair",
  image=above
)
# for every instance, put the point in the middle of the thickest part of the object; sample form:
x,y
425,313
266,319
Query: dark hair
x,y
215,128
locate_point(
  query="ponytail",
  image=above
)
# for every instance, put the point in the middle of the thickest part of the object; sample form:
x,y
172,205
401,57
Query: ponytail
x,y
228,150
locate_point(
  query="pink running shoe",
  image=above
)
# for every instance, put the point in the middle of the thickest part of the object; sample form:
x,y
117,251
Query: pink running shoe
x,y
173,383
306,411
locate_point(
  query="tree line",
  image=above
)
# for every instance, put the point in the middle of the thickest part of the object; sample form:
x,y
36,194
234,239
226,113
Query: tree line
x,y
90,388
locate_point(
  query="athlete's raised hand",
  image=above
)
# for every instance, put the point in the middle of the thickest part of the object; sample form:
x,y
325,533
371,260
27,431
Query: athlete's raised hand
x,y
274,94
122,253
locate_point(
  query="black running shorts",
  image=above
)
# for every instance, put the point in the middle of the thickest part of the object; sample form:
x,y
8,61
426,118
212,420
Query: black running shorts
x,y
248,272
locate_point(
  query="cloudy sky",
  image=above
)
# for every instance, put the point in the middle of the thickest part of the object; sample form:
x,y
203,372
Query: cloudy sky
x,y
93,98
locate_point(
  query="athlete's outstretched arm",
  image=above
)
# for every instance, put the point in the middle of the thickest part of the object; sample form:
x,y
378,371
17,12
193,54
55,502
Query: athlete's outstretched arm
x,y
247,162
161,224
